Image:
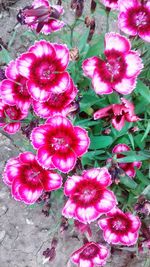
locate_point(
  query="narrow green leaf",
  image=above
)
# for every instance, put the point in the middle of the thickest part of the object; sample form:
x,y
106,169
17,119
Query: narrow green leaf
x,y
132,158
128,182
141,177
98,142
146,132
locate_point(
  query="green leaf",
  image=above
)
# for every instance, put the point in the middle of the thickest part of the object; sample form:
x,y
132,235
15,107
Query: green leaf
x,y
141,177
128,182
143,90
98,142
4,56
132,156
86,122
92,154
146,132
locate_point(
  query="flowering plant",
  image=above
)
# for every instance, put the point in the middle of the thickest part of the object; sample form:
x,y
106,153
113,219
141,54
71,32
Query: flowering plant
x,y
81,100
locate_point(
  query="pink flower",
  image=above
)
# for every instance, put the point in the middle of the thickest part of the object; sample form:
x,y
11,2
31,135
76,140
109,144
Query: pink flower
x,y
120,228
118,71
88,195
118,113
56,104
129,168
42,16
113,4
90,255
10,117
28,179
44,65
14,89
134,18
59,143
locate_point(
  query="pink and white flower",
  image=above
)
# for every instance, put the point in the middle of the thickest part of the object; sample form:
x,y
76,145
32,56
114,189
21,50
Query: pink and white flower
x,y
120,228
28,179
118,113
10,117
129,168
134,18
14,89
56,104
42,16
89,197
90,255
112,4
44,65
59,143
118,71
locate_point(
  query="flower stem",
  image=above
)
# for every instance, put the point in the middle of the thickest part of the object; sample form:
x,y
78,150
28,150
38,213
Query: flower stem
x,y
107,20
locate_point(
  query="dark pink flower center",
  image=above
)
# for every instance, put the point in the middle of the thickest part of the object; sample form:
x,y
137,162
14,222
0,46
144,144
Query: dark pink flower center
x,y
114,68
141,18
119,223
44,71
138,17
87,192
60,143
11,113
32,175
21,86
89,252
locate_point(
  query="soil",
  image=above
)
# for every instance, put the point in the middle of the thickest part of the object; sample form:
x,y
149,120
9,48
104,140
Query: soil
x,y
25,232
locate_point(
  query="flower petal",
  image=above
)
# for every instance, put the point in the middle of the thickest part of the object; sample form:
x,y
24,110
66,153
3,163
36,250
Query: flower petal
x,y
42,48
7,92
11,71
89,66
99,86
51,181
126,86
62,56
134,64
125,5
85,263
60,84
24,64
129,239
120,148
38,135
71,184
117,42
64,162
69,209
100,174
52,25
44,157
111,237
36,92
82,141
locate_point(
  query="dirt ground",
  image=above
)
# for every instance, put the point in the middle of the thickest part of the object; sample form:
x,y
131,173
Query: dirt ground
x,y
24,231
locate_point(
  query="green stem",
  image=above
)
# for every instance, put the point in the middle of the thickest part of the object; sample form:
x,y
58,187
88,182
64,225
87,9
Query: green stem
x,y
107,21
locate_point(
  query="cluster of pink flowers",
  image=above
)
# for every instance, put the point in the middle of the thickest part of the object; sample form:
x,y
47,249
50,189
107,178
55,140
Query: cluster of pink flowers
x,y
39,79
